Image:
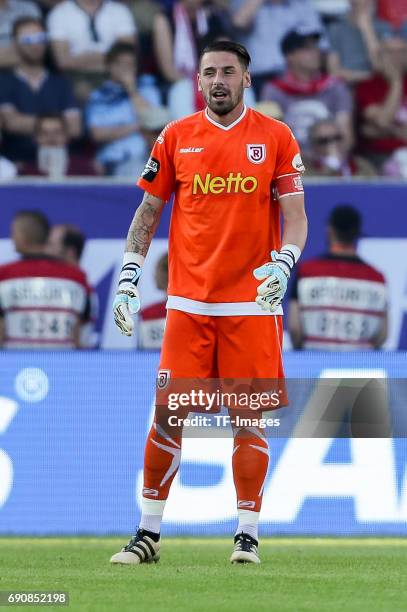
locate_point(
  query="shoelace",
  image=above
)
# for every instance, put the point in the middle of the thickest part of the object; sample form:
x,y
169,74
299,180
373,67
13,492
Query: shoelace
x,y
245,544
132,543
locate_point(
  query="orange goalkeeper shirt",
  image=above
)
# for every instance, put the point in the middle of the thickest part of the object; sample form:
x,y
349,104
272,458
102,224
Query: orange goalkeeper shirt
x,y
225,218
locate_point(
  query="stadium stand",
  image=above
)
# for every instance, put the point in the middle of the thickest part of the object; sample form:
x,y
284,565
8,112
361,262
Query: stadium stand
x,y
168,36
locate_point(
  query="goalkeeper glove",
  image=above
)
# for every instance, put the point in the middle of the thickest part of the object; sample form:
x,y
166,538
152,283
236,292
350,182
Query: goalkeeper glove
x,y
127,300
276,274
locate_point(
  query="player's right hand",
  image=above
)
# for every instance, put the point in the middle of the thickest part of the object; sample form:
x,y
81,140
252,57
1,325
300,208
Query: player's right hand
x,y
127,300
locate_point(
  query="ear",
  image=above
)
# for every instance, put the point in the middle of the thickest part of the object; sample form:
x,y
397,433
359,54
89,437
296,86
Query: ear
x,y
247,79
198,79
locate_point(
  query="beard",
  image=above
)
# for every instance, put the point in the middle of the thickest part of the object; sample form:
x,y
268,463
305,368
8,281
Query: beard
x,y
32,59
225,105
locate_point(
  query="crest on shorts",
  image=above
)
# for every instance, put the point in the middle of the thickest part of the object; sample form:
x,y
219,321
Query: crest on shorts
x,y
256,153
163,379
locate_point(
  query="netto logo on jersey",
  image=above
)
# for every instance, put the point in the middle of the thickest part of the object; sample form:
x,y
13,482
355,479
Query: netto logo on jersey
x,y
233,183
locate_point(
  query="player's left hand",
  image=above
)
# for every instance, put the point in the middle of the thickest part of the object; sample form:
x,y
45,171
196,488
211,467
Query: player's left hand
x,y
271,291
127,300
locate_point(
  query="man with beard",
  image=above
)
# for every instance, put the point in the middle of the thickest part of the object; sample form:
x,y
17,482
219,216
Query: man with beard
x,y
30,91
232,171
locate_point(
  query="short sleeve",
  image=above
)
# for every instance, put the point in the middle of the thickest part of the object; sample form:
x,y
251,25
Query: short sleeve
x,y
66,96
288,154
96,113
124,22
6,88
158,176
56,24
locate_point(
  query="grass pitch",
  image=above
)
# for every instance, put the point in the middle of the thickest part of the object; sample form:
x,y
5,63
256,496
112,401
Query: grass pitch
x,y
318,575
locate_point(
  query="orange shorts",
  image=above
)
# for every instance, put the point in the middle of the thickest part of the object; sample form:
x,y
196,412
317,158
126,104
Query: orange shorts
x,y
201,346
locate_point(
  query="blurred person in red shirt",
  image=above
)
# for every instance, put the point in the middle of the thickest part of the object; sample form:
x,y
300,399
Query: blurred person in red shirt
x,y
305,93
381,103
43,300
67,242
393,11
338,301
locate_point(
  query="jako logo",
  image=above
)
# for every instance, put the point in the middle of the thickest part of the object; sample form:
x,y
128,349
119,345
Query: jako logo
x,y
234,183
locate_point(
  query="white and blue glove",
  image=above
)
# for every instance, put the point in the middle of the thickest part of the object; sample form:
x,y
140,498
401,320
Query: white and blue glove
x,y
275,275
127,300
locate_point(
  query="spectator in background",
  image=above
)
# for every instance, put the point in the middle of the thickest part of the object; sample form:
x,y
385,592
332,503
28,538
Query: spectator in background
x,y
152,121
10,12
381,102
144,12
329,154
113,113
261,26
43,301
270,109
53,158
394,12
355,42
81,33
30,90
330,10
305,94
67,242
8,170
47,5
152,318
338,301
179,36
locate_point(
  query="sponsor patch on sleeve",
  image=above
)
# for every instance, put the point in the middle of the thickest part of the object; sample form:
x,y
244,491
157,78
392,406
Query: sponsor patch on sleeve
x,y
297,163
151,169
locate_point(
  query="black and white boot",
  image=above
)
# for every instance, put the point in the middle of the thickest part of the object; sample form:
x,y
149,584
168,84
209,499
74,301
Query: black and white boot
x,y
142,548
245,550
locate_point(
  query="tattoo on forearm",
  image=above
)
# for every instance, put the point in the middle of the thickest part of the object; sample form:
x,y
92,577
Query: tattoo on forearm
x,y
143,226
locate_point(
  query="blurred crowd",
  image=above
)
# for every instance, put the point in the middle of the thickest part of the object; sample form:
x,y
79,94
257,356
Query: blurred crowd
x,y
87,85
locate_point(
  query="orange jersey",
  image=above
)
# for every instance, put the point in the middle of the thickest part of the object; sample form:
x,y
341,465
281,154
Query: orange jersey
x,y
226,217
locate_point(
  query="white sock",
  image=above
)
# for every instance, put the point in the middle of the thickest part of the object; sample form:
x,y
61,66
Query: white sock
x,y
248,523
152,514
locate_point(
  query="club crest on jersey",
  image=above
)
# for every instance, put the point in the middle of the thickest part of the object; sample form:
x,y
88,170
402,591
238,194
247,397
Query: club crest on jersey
x,y
256,153
163,379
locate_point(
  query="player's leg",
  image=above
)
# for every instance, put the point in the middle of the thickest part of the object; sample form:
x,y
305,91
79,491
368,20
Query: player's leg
x,y
250,463
161,462
187,353
249,348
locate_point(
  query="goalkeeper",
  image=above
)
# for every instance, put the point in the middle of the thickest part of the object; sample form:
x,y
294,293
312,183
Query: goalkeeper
x,y
232,171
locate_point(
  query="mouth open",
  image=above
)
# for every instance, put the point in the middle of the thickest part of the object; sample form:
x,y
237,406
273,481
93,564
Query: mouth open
x,y
219,95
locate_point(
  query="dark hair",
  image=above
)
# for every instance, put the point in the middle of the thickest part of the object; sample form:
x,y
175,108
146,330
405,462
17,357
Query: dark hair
x,y
23,21
120,48
346,222
74,239
37,227
230,47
